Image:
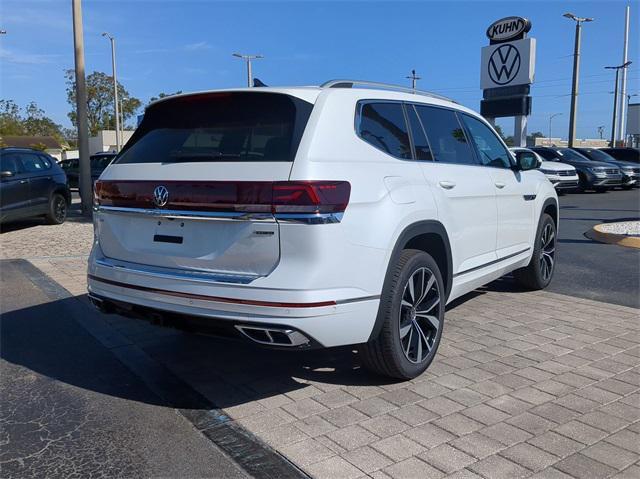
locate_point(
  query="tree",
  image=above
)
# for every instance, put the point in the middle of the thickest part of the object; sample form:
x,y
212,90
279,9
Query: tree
x,y
33,122
10,119
162,95
100,101
531,139
499,131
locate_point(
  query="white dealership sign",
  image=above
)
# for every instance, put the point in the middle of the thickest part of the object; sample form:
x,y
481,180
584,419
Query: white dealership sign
x,y
508,64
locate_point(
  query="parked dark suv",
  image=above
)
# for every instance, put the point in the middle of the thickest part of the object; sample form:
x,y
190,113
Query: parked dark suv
x,y
624,154
99,162
32,184
630,171
593,175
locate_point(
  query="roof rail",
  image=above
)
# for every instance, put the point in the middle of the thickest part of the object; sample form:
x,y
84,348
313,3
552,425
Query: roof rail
x,y
382,86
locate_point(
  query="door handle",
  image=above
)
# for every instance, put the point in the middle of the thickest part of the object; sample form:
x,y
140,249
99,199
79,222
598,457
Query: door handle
x,y
500,185
447,185
22,182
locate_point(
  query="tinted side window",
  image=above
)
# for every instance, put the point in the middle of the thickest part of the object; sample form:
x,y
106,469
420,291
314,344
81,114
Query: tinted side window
x,y
10,162
46,161
420,142
490,150
33,163
383,125
446,136
546,154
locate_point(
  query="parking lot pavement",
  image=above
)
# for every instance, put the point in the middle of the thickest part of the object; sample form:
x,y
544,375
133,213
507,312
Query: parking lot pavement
x,y
524,385
590,269
70,409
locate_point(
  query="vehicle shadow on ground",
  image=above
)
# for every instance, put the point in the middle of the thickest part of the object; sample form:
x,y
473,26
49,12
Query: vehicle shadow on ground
x,y
74,216
227,372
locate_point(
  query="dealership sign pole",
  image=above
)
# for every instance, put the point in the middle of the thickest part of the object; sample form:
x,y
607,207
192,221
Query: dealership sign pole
x,y
507,71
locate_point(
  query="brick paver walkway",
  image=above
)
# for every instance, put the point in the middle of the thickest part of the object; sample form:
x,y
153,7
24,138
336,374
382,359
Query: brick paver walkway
x,y
524,385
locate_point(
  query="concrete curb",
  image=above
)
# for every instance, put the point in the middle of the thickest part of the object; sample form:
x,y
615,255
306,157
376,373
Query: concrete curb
x,y
596,233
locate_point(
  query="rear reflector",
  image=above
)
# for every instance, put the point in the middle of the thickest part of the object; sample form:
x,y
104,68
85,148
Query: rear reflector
x,y
308,197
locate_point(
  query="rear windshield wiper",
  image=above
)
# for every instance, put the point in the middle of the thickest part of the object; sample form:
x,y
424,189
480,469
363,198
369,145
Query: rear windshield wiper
x,y
202,156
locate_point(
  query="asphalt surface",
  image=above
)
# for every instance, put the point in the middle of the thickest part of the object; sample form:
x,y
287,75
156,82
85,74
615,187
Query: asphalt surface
x,y
586,268
70,408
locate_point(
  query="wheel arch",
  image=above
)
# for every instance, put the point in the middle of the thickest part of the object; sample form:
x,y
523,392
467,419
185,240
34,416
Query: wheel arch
x,y
431,237
550,207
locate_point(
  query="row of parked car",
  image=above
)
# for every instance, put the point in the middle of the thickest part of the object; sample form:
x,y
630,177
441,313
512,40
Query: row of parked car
x,y
581,169
32,183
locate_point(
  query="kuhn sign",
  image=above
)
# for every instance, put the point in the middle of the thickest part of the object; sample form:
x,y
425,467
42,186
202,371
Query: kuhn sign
x,y
508,28
508,64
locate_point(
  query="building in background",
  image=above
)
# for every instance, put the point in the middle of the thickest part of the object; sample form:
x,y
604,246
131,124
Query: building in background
x,y
105,140
48,144
560,143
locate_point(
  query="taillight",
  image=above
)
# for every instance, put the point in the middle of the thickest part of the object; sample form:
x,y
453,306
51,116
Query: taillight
x,y
284,199
310,196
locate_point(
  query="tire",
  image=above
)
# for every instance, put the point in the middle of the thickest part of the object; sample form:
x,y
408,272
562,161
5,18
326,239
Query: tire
x,y
57,210
539,272
400,351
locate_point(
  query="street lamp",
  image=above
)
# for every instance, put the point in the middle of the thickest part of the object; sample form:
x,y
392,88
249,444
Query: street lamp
x,y
115,88
551,117
248,59
576,73
614,122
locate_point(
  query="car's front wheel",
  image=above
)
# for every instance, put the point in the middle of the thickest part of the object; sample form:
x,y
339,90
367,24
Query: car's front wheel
x,y
57,210
539,272
412,316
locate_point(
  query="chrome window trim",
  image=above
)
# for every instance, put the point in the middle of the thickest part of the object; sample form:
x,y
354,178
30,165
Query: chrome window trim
x,y
170,273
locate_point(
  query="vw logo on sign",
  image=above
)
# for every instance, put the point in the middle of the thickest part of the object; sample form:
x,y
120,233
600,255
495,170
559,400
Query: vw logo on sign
x,y
504,64
160,196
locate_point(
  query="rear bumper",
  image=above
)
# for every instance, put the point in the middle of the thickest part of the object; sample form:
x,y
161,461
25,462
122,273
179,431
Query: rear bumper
x,y
330,317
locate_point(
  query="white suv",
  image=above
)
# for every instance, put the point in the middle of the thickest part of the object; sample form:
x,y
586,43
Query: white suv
x,y
345,214
561,175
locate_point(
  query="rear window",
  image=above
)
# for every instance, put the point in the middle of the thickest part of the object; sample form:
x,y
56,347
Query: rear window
x,y
227,126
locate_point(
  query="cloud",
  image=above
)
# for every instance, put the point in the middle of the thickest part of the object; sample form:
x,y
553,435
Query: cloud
x,y
193,47
24,58
189,47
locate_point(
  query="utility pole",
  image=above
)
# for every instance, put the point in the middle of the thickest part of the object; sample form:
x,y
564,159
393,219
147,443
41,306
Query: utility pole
x,y
551,117
86,193
248,59
601,131
414,78
115,90
623,85
614,120
576,74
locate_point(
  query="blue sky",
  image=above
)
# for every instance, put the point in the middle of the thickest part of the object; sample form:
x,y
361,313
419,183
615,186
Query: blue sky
x,y
171,45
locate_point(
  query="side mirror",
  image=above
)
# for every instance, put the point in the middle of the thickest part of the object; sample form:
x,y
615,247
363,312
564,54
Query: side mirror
x,y
527,161
6,174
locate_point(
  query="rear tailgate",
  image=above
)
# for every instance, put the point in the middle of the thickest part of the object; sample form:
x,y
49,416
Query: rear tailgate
x,y
193,188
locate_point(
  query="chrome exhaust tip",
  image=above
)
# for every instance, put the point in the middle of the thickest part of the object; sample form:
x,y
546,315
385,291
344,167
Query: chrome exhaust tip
x,y
273,336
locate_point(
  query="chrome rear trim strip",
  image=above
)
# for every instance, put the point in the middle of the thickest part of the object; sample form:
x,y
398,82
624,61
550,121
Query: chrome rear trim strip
x,y
169,273
186,214
306,218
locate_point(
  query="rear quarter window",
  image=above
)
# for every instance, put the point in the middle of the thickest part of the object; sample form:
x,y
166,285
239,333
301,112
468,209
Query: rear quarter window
x,y
382,124
225,126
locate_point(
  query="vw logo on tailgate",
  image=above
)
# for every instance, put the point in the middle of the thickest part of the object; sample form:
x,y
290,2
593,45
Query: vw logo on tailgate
x,y
504,64
160,196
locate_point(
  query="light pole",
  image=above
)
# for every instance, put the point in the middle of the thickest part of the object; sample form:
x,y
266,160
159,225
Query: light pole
x,y
115,89
614,121
551,117
414,78
82,123
248,59
576,73
601,131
